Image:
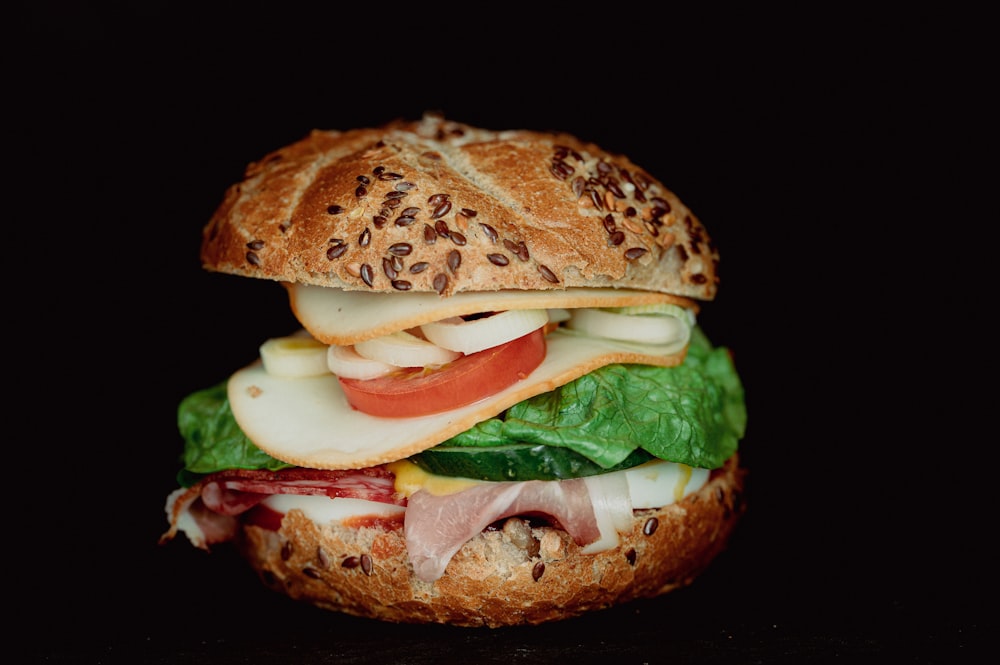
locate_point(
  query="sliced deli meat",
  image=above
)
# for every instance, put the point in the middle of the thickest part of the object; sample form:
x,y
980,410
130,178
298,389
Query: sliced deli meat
x,y
308,421
436,527
208,511
322,310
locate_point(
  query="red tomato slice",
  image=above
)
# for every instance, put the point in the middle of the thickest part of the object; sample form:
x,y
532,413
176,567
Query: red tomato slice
x,y
415,392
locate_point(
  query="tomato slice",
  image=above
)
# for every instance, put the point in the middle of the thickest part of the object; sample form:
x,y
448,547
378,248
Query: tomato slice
x,y
413,392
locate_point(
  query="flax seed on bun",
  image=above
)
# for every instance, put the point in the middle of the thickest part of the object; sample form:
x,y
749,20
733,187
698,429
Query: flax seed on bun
x,y
516,574
436,205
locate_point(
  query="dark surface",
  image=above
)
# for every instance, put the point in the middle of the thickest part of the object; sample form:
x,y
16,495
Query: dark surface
x,y
801,150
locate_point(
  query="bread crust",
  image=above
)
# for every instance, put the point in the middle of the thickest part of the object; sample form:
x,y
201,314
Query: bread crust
x,y
436,205
518,575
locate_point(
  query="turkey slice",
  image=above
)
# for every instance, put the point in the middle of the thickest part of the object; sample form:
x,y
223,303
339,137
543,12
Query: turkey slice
x,y
334,316
308,422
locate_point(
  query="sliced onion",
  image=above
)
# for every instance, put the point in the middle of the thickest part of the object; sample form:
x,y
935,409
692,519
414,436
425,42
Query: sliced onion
x,y
558,315
345,362
612,503
474,335
404,349
295,356
661,328
657,309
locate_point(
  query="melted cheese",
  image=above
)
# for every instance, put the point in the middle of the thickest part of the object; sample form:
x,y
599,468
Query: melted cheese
x,y
411,478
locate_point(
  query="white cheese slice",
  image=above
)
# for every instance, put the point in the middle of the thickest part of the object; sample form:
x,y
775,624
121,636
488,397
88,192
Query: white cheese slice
x,y
308,421
334,316
324,510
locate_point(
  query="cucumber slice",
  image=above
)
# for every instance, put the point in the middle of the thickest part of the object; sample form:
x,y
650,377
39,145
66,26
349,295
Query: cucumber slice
x,y
524,461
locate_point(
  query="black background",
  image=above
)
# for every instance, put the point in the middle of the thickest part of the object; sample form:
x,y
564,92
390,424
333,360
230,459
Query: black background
x,y
816,149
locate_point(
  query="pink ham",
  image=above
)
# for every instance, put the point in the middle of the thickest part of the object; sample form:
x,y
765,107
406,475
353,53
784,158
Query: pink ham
x,y
436,527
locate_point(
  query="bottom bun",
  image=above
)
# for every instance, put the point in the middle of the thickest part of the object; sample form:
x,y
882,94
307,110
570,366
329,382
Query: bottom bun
x,y
515,574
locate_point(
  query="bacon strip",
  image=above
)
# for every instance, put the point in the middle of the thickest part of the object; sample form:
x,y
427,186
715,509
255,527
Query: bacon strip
x,y
436,527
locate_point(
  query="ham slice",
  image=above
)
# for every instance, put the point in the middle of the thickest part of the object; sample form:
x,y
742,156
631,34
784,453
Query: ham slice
x,y
436,527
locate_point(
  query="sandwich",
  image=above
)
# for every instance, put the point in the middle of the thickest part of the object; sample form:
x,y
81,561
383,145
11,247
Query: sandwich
x,y
497,407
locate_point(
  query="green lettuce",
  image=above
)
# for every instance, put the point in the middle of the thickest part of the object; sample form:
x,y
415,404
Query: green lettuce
x,y
212,439
693,413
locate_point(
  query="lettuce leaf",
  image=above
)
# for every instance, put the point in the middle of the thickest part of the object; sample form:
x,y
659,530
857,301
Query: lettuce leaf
x,y
693,413
212,439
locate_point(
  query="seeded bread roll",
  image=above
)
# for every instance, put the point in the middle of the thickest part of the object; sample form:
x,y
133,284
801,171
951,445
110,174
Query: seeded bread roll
x,y
435,205
516,575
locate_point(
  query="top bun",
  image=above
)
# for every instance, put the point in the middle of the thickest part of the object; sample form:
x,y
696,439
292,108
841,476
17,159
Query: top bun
x,y
435,205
